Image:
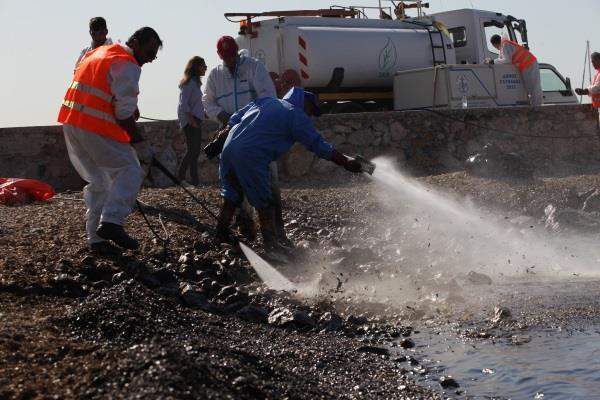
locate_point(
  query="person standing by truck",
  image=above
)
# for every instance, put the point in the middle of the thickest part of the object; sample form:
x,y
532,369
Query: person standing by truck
x,y
257,135
190,113
98,32
594,90
230,87
98,114
513,53
235,83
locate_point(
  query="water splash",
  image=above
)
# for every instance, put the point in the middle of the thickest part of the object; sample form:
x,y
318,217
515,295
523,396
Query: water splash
x,y
267,273
436,248
459,237
274,279
435,252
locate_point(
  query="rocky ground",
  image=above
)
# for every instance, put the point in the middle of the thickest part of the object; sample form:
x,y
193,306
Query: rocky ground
x,y
184,317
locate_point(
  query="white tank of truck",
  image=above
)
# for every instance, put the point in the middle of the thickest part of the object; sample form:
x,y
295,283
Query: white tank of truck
x,y
338,55
368,51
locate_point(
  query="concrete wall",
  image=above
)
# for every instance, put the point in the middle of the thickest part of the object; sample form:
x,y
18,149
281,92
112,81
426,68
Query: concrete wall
x,y
550,136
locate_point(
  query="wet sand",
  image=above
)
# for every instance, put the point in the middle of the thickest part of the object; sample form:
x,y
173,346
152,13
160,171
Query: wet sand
x,y
189,319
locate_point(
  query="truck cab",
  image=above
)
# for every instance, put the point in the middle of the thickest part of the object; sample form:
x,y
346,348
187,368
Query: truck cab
x,y
471,31
556,89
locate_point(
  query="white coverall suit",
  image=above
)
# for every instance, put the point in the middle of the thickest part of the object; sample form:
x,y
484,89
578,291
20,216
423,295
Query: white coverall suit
x,y
225,92
531,75
111,168
230,93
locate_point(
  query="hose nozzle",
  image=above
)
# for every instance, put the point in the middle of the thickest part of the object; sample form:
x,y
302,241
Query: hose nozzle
x,y
367,166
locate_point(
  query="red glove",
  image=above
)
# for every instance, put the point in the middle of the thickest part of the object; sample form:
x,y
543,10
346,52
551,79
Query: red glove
x,y
349,163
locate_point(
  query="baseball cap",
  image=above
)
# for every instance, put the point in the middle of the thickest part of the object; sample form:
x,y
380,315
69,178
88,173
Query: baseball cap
x,y
312,98
226,47
297,95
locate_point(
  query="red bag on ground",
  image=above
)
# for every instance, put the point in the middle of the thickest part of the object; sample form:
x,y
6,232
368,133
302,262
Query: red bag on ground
x,y
15,191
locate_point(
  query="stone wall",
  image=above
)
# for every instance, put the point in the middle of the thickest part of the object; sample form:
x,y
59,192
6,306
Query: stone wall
x,y
549,136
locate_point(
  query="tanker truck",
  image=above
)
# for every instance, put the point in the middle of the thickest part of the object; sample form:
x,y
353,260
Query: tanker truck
x,y
350,60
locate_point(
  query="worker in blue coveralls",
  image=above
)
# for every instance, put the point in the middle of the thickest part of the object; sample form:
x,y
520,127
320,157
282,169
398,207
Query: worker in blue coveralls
x,y
258,134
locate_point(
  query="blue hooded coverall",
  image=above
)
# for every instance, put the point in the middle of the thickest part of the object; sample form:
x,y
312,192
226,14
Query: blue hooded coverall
x,y
261,132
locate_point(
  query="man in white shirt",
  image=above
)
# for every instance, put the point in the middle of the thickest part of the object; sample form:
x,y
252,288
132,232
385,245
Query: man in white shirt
x,y
98,32
230,87
98,116
235,83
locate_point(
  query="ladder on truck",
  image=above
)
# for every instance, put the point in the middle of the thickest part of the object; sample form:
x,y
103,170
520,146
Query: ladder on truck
x,y
436,38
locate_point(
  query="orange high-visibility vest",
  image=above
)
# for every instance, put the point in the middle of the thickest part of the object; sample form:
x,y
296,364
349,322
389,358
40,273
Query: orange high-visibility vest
x,y
596,96
522,58
88,102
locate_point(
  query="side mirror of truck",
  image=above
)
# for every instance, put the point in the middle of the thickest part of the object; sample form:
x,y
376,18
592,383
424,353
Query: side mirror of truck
x,y
569,91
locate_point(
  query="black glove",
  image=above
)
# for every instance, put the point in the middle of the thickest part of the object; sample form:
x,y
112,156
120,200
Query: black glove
x,y
353,166
131,128
215,147
136,136
349,163
223,117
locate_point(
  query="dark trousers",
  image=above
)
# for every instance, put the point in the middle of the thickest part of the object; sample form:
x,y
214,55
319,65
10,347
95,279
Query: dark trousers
x,y
194,146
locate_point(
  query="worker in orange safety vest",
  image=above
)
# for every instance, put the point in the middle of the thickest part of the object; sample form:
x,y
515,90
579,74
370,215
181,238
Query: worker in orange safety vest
x,y
594,90
513,53
98,116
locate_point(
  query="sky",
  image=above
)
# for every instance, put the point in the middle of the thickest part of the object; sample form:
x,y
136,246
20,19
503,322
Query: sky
x,y
42,40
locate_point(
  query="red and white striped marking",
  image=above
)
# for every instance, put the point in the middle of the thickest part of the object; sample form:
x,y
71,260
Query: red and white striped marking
x,y
302,58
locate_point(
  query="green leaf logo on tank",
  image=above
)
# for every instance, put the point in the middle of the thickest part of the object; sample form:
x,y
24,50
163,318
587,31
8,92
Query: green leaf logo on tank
x,y
387,58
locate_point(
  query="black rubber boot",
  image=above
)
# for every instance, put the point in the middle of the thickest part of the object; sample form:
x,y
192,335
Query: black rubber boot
x,y
225,217
105,248
246,224
279,228
116,233
269,232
